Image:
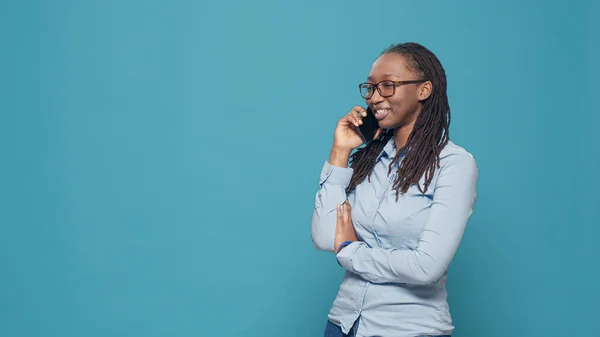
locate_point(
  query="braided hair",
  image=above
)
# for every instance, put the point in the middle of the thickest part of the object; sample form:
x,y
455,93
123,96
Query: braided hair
x,y
429,135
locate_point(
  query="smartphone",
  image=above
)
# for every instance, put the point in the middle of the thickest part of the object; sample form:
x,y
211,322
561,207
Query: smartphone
x,y
368,128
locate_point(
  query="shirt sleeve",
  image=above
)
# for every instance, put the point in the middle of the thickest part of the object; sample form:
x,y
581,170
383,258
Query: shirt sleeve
x,y
453,201
332,191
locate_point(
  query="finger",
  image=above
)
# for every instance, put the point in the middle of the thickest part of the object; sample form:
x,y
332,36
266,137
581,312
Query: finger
x,y
346,213
378,133
360,111
348,121
356,118
340,214
353,120
360,115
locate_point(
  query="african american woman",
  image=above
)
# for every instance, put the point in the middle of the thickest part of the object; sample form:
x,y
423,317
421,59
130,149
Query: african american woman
x,y
394,211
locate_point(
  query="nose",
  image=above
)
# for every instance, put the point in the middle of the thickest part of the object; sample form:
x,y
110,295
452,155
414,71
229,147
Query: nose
x,y
375,98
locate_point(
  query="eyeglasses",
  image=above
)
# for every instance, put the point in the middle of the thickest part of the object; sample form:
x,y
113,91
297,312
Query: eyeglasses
x,y
385,88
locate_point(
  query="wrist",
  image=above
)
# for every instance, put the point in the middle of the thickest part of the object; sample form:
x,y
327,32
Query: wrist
x,y
339,156
342,245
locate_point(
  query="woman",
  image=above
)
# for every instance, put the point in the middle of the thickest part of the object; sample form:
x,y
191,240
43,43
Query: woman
x,y
405,201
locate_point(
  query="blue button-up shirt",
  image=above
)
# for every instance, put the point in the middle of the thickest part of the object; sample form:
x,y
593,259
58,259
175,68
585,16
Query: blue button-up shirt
x,y
395,282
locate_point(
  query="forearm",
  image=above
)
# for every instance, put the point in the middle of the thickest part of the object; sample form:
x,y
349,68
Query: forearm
x,y
339,157
453,201
332,191
412,266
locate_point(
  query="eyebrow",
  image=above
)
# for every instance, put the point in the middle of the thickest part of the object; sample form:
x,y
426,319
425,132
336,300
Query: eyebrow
x,y
384,75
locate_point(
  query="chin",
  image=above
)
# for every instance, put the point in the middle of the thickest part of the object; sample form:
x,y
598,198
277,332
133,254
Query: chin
x,y
394,123
383,124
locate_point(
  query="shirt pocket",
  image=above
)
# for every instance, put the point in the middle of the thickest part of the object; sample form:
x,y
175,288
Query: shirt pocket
x,y
400,223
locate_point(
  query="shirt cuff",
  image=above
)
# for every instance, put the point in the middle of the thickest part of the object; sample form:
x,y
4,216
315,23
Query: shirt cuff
x,y
345,255
336,175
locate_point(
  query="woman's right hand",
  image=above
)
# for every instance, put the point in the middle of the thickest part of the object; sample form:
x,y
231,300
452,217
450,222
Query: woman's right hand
x,y
346,136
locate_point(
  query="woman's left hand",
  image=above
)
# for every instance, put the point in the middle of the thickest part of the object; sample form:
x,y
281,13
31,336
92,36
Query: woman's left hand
x,y
344,229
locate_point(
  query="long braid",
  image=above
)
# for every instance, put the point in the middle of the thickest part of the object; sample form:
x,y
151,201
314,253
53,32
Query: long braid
x,y
363,160
429,135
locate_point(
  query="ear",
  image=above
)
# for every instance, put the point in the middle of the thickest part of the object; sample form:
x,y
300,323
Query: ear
x,y
424,90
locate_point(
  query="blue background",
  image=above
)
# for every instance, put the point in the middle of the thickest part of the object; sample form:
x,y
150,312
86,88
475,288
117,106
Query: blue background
x,y
159,161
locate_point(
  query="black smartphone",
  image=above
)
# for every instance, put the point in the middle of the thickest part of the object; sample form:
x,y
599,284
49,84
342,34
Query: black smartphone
x,y
368,128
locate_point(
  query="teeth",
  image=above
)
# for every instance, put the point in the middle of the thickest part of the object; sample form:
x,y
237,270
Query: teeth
x,y
382,111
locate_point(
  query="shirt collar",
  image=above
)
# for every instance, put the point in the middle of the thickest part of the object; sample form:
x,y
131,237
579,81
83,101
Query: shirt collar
x,y
389,150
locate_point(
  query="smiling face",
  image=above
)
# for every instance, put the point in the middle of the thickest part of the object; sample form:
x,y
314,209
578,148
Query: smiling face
x,y
418,113
402,108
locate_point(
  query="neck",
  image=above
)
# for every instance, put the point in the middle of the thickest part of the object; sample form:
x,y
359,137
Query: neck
x,y
401,134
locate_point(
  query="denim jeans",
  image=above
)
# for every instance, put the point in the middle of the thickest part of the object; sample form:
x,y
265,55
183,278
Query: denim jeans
x,y
332,330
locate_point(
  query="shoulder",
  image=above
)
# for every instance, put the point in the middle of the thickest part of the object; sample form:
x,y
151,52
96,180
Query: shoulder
x,y
457,159
453,153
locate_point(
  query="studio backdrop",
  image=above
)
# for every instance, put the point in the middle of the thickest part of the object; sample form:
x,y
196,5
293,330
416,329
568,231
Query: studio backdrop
x,y
159,161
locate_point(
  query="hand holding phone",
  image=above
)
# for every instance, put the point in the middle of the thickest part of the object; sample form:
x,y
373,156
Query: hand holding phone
x,y
368,128
357,127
